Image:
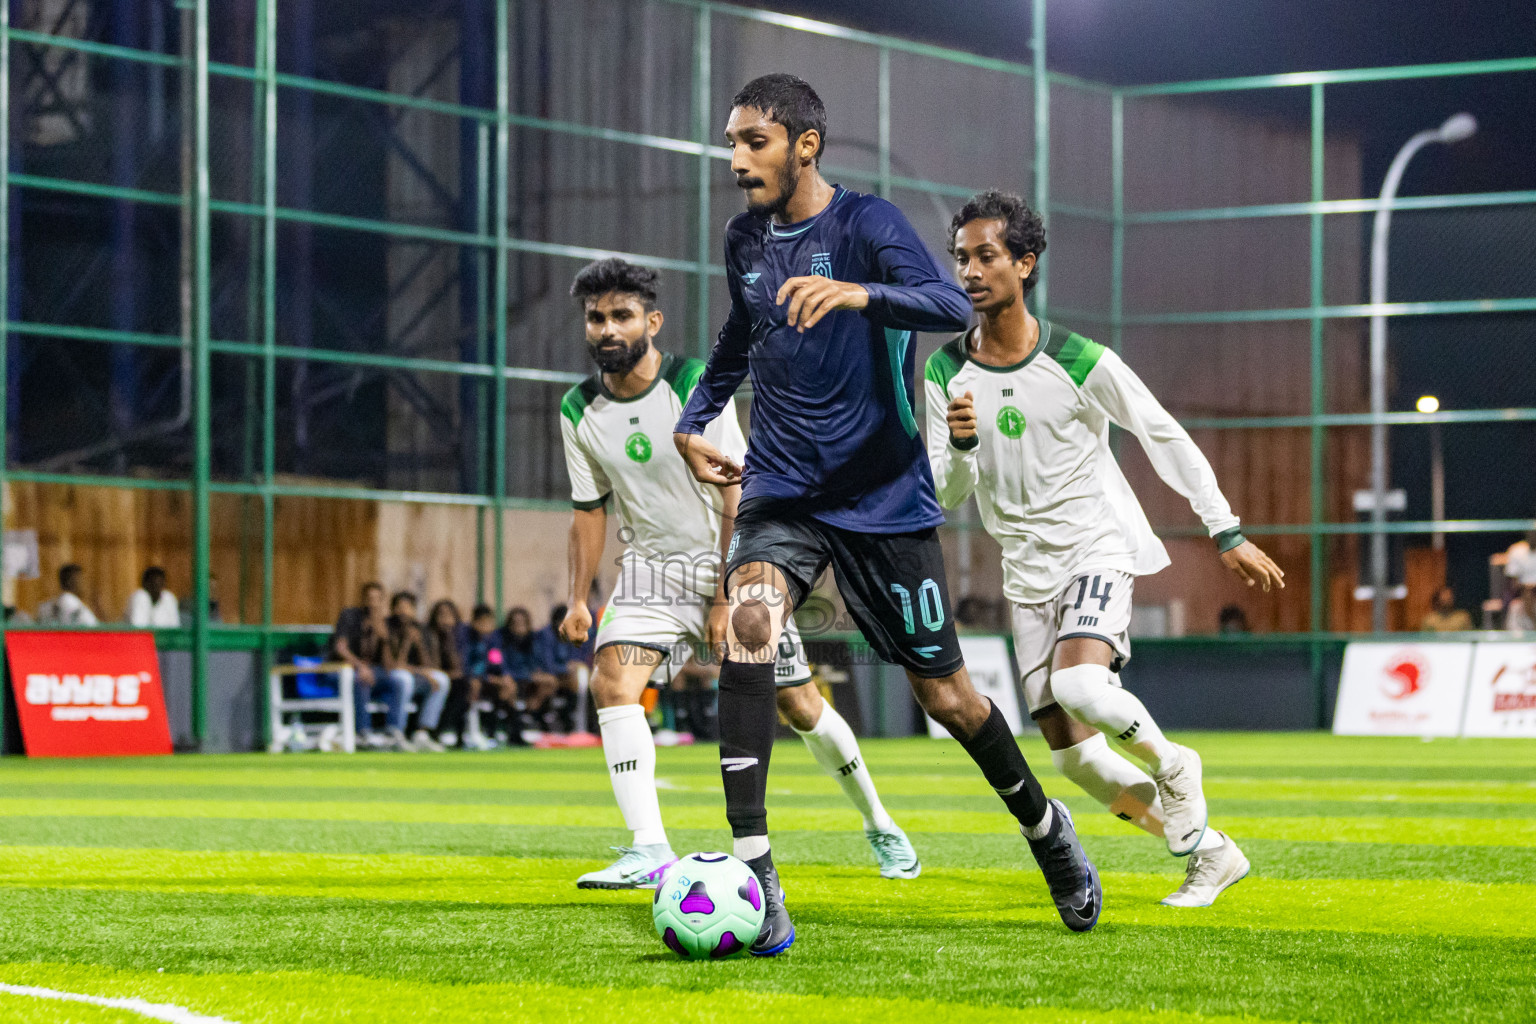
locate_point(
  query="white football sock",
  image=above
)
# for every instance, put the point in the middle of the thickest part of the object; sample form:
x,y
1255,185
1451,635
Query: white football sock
x,y
1102,773
836,749
1042,828
631,758
1086,693
749,847
1210,841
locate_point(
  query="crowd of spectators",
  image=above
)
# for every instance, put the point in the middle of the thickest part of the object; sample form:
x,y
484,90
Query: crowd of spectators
x,y
473,685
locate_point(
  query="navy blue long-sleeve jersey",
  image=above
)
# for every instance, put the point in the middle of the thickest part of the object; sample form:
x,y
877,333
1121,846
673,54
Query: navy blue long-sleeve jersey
x,y
832,422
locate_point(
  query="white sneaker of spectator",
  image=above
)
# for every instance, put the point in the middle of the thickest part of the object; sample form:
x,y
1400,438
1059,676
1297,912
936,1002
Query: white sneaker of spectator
x,y
422,740
397,741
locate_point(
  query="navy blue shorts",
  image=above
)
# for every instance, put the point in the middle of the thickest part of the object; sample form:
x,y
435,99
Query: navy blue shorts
x,y
892,583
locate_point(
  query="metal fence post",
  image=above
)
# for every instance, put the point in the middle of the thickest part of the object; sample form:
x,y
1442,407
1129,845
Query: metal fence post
x,y
5,317
1316,542
201,384
884,140
266,14
702,58
499,422
1042,141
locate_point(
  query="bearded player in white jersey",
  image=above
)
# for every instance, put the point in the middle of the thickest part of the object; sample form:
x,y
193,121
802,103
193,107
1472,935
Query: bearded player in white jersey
x,y
1018,413
617,426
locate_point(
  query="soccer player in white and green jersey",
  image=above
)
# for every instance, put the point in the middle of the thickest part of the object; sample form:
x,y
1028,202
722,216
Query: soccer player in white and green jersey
x,y
617,426
1018,413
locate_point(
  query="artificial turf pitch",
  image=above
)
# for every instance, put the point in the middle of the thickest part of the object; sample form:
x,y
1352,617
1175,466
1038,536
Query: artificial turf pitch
x,y
1392,880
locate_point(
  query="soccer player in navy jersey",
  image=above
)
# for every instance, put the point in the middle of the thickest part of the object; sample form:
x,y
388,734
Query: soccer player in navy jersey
x,y
827,286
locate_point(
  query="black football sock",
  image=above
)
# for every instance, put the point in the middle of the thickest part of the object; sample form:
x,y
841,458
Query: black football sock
x,y
748,716
997,754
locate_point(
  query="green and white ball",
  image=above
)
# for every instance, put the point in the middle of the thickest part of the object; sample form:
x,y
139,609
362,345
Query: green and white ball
x,y
709,906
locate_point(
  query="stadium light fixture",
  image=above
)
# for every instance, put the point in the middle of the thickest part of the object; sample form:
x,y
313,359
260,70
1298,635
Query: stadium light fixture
x,y
1455,128
1428,404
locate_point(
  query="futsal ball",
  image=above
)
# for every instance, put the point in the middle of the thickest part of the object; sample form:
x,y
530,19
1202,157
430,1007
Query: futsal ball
x,y
708,906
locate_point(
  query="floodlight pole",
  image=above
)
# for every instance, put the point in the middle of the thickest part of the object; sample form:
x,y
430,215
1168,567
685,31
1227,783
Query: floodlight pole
x,y
1456,128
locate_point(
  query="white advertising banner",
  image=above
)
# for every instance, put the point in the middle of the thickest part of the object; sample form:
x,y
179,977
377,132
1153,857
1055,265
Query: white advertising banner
x,y
991,669
1389,689
1501,698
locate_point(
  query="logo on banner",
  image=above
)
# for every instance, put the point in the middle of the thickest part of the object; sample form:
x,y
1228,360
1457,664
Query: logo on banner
x,y
1514,688
88,694
96,698
1404,675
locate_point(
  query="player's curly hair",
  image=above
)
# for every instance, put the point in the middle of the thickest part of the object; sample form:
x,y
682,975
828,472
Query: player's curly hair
x,y
1024,230
788,101
616,275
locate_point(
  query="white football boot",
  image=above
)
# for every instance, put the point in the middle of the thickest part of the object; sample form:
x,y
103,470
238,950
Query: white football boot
x,y
1208,874
636,868
1184,810
894,853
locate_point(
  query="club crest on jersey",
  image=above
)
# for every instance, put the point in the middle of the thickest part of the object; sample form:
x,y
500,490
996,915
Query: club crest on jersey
x,y
1010,422
638,447
821,264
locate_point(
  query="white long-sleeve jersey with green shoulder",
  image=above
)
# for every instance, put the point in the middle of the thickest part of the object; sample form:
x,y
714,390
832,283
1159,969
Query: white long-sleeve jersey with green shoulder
x,y
1048,487
621,449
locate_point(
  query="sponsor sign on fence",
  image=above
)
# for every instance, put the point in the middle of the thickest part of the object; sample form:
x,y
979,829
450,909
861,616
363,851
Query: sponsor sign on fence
x,y
1394,689
1501,697
991,668
88,694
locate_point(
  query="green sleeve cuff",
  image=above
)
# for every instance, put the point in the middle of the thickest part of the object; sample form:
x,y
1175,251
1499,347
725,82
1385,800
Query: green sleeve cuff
x,y
964,444
1226,540
588,506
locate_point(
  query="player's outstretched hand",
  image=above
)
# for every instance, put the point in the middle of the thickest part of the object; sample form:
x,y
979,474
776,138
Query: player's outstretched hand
x,y
962,418
1254,566
707,463
811,298
577,623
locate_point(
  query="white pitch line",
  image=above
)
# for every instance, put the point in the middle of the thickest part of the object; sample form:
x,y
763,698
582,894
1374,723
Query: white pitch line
x,y
167,1012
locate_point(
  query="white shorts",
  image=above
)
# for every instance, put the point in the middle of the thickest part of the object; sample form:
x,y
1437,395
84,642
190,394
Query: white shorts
x,y
1096,604
675,623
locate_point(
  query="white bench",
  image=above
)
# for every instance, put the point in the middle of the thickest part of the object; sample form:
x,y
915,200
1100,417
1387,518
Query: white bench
x,y
297,736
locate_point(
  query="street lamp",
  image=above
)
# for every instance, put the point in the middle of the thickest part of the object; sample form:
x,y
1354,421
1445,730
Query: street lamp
x,y
1456,128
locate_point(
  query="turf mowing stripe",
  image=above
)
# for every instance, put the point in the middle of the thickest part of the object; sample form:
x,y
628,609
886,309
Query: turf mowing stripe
x,y
1432,907
1445,831
155,1011
318,998
583,778
1129,850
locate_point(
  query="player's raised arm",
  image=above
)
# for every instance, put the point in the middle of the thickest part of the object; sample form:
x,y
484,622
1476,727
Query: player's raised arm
x,y
951,435
1114,387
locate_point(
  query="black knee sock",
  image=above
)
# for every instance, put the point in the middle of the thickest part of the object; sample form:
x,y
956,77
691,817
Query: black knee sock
x,y
748,717
997,754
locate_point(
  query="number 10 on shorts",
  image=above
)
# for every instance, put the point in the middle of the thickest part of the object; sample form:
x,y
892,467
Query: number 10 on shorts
x,y
929,604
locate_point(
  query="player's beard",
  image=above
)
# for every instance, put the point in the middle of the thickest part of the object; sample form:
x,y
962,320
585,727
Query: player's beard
x,y
619,361
789,180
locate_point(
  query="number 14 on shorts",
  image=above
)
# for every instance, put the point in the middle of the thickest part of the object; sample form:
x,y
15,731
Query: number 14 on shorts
x,y
1097,591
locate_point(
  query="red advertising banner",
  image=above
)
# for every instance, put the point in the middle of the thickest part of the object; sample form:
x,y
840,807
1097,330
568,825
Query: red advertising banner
x,y
88,694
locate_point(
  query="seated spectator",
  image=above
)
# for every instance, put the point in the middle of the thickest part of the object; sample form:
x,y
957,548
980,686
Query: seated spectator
x,y
1520,617
152,606
486,671
429,684
1443,616
536,678
67,609
1232,619
360,639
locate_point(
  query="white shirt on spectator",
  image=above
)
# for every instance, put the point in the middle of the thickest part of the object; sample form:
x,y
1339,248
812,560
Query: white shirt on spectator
x,y
144,611
66,610
1520,564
